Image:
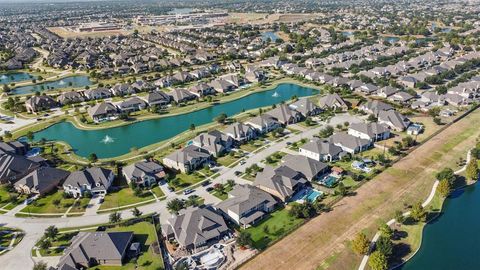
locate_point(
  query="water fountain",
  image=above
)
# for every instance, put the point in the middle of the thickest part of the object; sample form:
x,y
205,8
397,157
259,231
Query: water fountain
x,y
107,139
3,77
275,94
62,82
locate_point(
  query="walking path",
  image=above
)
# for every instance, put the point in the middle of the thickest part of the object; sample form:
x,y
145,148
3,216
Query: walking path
x,y
406,214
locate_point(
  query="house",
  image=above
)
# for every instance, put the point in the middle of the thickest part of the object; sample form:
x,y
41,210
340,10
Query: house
x,y
132,104
70,97
367,88
215,142
143,173
94,180
187,159
195,227
285,115
370,131
408,81
89,249
375,106
14,167
40,103
14,148
394,120
387,91
311,169
123,89
222,85
333,101
321,150
102,112
282,182
305,107
157,98
182,95
350,143
240,132
98,93
246,205
401,97
202,89
40,181
263,123
255,76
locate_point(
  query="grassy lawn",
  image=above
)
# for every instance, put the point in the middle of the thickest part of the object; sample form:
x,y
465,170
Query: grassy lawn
x,y
46,204
222,195
228,159
184,180
296,145
252,145
5,198
122,197
158,191
275,158
279,223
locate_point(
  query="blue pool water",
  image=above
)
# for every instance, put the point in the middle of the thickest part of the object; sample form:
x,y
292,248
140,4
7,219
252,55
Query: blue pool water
x,y
33,152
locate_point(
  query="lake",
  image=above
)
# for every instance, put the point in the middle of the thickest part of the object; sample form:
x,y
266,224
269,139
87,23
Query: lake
x,y
67,82
452,241
112,142
8,78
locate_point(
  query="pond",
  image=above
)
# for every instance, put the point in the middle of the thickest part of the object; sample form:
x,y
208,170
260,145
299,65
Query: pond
x,y
67,82
112,142
391,39
452,240
8,78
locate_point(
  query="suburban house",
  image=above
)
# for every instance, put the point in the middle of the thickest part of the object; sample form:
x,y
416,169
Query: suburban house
x,y
246,205
215,142
122,89
181,95
102,112
282,182
143,173
285,115
40,103
305,107
263,123
157,98
14,148
375,107
350,143
321,150
40,181
195,227
98,93
370,131
332,101
89,249
240,132
14,167
311,169
94,180
187,159
202,89
70,97
132,104
394,120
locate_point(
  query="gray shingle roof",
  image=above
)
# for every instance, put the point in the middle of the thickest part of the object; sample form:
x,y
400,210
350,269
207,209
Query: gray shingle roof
x,y
310,168
244,198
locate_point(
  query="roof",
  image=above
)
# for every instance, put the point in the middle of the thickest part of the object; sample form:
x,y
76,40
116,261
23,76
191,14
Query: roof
x,y
101,109
310,168
142,168
95,177
188,153
238,129
304,106
371,129
343,139
282,179
332,100
42,179
322,147
13,165
194,226
376,106
395,118
244,198
283,113
95,245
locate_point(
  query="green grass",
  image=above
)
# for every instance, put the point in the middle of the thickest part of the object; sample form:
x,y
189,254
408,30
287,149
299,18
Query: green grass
x,y
275,158
279,224
223,195
228,160
45,205
185,180
124,197
158,191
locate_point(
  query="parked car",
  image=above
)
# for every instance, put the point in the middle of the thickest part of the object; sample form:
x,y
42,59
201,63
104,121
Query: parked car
x,y
237,173
209,189
206,183
171,189
101,228
242,162
187,191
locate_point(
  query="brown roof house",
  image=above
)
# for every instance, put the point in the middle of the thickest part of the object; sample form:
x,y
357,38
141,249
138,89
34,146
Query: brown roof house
x,y
282,182
40,181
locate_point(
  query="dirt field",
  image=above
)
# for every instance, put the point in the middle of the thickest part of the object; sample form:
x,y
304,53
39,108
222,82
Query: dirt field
x,y
64,33
324,241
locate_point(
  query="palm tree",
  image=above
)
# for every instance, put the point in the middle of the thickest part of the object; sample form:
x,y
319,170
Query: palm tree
x,y
115,217
136,213
51,232
175,205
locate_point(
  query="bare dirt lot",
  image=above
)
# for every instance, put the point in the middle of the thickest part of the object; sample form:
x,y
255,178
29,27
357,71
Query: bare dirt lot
x,y
324,241
65,33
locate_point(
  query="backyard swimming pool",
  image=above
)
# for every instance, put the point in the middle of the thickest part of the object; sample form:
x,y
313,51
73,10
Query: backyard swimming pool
x,y
307,194
328,181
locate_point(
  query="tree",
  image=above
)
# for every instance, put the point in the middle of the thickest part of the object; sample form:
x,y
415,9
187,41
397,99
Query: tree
x,y
472,169
115,217
30,136
386,231
175,205
378,261
384,245
444,188
360,244
221,118
341,189
408,142
244,238
326,132
437,120
418,213
137,191
51,232
136,213
231,182
40,266
45,244
192,127
399,217
191,201
6,89
446,174
92,157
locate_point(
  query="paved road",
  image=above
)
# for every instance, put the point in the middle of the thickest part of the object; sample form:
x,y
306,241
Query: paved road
x,y
34,227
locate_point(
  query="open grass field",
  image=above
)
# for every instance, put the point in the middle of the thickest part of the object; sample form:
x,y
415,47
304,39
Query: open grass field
x,y
324,241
